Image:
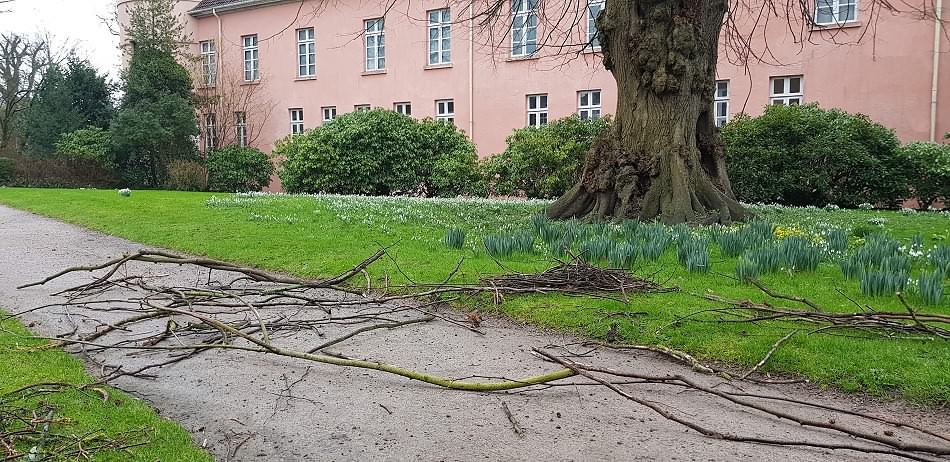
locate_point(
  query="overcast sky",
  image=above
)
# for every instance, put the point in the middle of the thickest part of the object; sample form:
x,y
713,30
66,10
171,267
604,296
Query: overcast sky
x,y
70,21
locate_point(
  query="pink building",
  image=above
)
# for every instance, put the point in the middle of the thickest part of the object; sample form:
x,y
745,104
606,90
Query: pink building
x,y
283,66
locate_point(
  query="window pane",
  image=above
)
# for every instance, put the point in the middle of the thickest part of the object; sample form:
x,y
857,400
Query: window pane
x,y
544,101
446,56
794,101
585,97
795,85
433,34
433,16
778,86
595,96
433,57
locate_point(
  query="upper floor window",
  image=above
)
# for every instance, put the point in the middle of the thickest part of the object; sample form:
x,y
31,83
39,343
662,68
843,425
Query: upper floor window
x,y
361,107
829,12
440,37
524,27
593,9
209,62
251,59
403,108
588,104
306,53
296,121
240,128
329,113
537,110
375,45
445,110
787,90
211,132
721,103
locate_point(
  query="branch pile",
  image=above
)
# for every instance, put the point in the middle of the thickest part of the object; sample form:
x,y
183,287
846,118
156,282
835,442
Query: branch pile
x,y
256,313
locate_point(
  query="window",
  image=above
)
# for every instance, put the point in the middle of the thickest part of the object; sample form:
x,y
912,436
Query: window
x,y
537,110
440,37
211,132
251,59
593,9
721,103
361,107
787,90
240,128
524,27
445,110
375,45
306,53
403,108
588,104
828,12
209,62
329,113
296,121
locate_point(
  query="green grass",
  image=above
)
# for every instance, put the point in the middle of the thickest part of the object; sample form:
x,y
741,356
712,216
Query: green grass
x,y
23,362
326,235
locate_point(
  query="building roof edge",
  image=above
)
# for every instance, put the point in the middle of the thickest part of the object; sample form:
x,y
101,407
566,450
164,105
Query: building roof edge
x,y
200,11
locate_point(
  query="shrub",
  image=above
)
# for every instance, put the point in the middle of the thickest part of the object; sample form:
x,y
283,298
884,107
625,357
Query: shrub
x,y
930,164
237,169
7,169
379,152
54,173
543,162
187,175
90,144
805,155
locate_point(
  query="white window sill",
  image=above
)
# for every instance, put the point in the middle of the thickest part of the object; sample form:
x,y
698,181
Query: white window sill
x,y
530,57
251,82
591,51
374,72
834,25
438,66
305,77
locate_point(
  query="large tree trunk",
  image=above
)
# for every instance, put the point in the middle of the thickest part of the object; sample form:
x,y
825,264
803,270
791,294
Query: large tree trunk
x,y
662,159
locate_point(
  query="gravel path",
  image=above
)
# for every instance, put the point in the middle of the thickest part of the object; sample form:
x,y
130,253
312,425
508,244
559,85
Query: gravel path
x,y
223,398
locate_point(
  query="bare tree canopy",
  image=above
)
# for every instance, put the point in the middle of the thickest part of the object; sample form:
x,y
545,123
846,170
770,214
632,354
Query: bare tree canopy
x,y
23,62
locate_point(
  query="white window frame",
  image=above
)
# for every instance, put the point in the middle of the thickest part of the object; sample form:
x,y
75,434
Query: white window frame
x,y
296,121
445,110
404,108
252,63
834,10
209,62
721,101
375,44
537,106
787,97
361,107
524,21
587,107
240,129
439,37
306,53
211,131
329,113
594,8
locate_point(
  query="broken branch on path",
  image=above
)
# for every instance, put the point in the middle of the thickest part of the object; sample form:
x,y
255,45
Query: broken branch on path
x,y
258,313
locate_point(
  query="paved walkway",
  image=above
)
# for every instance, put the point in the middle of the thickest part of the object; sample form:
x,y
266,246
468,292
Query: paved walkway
x,y
223,398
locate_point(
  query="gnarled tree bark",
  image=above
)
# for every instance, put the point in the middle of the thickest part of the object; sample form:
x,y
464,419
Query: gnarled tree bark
x,y
662,159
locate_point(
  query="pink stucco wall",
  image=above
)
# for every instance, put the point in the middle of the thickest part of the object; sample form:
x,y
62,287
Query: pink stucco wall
x,y
887,75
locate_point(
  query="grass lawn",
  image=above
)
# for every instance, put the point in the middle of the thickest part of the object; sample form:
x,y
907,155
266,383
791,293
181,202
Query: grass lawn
x,y
22,364
322,236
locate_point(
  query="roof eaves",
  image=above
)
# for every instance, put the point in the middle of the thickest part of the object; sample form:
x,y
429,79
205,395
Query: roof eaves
x,y
236,5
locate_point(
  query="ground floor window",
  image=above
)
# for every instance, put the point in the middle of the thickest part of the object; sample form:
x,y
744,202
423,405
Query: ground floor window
x,y
361,107
403,108
787,90
588,104
211,133
445,110
296,121
240,128
537,110
329,113
721,103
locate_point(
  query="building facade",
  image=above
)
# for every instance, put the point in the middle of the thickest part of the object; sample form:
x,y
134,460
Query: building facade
x,y
279,67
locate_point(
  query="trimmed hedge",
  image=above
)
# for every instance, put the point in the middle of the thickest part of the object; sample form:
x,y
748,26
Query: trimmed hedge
x,y
380,152
237,169
930,167
806,155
